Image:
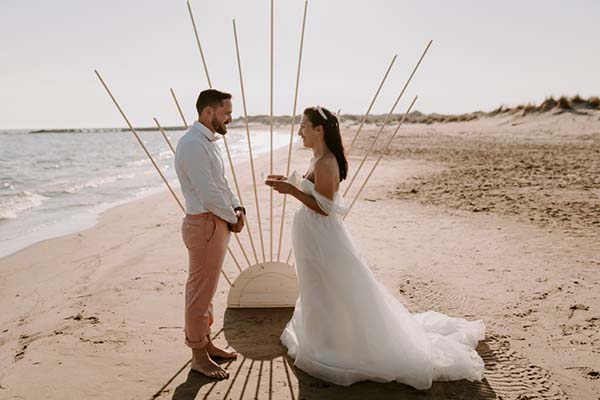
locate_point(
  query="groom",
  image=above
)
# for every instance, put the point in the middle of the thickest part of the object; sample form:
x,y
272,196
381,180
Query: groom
x,y
212,212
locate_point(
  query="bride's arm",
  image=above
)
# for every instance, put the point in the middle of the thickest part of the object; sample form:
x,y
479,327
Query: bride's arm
x,y
324,185
307,200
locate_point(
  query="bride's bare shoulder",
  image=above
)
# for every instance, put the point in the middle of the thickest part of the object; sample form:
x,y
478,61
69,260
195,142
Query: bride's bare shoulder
x,y
327,166
326,163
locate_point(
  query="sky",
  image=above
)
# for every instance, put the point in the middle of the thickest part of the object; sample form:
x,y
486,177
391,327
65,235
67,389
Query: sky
x,y
484,54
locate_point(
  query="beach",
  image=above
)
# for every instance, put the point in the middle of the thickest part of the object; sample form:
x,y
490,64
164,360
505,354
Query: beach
x,y
493,219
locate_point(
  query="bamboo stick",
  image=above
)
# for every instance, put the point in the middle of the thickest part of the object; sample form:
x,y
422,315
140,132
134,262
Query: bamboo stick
x,y
271,136
287,170
387,118
234,258
239,193
364,118
148,153
164,135
380,156
237,50
236,263
140,141
179,109
198,42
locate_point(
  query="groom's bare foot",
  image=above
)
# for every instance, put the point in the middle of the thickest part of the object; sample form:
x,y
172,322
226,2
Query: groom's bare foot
x,y
202,363
215,352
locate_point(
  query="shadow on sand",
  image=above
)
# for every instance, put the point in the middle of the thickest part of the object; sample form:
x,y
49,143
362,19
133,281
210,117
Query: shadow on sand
x,y
254,334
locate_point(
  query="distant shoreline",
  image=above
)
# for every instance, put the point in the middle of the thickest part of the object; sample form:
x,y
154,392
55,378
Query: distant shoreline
x,y
237,123
575,104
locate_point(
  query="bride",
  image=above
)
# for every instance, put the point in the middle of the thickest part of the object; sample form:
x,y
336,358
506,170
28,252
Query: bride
x,y
347,327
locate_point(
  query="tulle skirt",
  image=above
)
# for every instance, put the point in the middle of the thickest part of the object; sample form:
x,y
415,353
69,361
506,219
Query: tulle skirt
x,y
347,327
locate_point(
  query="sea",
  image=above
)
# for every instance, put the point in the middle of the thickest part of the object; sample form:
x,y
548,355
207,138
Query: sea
x,y
53,183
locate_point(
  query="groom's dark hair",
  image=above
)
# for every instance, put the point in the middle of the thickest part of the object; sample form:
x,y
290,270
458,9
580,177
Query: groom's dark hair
x,y
210,98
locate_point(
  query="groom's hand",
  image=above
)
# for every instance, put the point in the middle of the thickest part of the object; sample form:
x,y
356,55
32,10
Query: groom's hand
x,y
237,227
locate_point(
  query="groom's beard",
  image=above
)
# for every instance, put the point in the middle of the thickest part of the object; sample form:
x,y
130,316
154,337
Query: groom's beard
x,y
219,127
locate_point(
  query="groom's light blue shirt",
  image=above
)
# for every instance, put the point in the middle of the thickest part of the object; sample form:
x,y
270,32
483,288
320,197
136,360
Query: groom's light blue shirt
x,y
201,172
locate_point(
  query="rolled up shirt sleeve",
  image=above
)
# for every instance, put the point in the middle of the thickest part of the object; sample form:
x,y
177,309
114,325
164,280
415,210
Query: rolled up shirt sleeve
x,y
200,172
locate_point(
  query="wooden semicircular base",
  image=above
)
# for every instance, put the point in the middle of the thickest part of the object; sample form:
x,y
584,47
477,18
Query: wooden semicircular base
x,y
265,285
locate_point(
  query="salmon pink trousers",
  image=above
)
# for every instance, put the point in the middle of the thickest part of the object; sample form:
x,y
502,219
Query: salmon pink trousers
x,y
206,237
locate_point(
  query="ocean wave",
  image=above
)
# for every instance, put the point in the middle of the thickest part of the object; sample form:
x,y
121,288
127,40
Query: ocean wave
x,y
7,186
96,182
138,163
165,155
53,163
62,187
12,206
51,166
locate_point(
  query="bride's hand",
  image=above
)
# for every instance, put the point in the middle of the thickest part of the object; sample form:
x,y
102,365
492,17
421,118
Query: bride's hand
x,y
281,186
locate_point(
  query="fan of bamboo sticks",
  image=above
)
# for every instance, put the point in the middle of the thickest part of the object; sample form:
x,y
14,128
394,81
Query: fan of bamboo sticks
x,y
269,281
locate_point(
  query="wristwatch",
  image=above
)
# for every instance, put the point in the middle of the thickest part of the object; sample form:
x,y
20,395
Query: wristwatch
x,y
240,208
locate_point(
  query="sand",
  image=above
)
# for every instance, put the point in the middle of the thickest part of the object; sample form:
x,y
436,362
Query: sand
x,y
99,314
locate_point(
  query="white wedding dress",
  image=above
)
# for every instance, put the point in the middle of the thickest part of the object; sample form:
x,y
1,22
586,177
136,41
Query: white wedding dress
x,y
347,327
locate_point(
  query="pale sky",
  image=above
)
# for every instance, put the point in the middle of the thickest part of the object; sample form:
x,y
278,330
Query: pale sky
x,y
484,54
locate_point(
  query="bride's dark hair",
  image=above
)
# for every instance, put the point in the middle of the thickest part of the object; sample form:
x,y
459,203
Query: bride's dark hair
x,y
332,135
